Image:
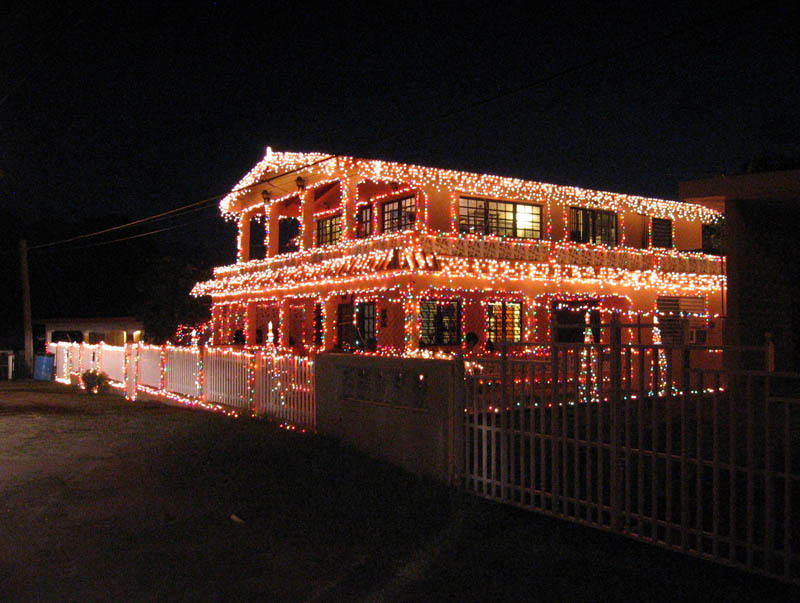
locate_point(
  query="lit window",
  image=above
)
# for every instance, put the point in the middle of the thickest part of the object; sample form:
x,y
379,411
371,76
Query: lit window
x,y
328,230
592,226
364,222
504,321
502,218
399,215
440,322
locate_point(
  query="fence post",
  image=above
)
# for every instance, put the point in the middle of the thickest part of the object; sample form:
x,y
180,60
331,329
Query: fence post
x,y
617,462
252,371
458,451
162,381
201,374
505,478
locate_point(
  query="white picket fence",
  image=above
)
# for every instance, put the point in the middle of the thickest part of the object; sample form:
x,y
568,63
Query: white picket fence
x,y
255,382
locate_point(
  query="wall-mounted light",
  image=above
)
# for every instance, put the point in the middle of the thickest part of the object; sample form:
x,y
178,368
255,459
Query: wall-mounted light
x,y
265,195
301,184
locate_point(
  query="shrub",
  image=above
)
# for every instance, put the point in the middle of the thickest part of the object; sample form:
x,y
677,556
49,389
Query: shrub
x,y
95,381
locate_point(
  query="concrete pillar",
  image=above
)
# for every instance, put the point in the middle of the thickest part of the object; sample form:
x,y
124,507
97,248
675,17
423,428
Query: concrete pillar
x,y
283,327
307,219
329,326
273,230
411,322
250,324
243,252
349,197
559,221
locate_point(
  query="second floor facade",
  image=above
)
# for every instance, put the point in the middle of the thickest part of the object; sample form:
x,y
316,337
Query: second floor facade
x,y
296,204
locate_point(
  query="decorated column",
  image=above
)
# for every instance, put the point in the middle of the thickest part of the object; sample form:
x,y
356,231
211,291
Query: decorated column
x,y
349,197
411,322
273,229
283,323
243,241
250,324
307,219
329,325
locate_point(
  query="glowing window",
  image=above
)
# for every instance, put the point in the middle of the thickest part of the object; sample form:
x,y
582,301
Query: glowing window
x,y
329,230
504,321
501,218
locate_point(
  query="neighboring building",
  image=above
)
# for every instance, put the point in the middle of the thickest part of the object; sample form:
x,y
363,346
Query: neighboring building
x,y
346,253
762,211
113,331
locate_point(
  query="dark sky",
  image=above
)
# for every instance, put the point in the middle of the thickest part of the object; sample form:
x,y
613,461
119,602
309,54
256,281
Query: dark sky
x,y
137,111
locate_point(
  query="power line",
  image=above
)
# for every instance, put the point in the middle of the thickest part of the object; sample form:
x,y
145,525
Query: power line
x,y
442,117
136,236
134,223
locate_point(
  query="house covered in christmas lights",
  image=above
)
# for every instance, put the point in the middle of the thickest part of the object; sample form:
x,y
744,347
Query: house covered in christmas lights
x,y
339,253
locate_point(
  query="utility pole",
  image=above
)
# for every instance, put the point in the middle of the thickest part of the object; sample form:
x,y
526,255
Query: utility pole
x,y
26,307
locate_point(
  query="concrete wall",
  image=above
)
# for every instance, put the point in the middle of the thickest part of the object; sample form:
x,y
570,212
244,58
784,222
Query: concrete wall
x,y
402,410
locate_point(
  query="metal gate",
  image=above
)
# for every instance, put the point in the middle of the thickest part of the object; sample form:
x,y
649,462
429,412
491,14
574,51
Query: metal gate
x,y
637,440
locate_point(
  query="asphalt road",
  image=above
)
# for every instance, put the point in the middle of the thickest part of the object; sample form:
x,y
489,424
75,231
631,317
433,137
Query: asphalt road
x,y
103,499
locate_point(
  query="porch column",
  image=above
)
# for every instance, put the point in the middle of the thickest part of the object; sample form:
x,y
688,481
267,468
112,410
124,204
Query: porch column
x,y
273,235
411,322
350,195
283,326
308,220
216,325
308,324
329,326
243,251
250,324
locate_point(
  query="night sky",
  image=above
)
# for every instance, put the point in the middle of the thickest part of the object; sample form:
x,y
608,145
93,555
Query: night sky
x,y
113,115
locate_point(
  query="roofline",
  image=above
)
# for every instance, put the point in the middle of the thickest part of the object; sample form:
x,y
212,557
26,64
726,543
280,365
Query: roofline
x,y
290,162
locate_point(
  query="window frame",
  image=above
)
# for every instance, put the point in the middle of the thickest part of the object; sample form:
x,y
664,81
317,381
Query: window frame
x,y
367,323
451,336
345,333
653,243
322,228
400,222
595,234
364,226
492,321
487,226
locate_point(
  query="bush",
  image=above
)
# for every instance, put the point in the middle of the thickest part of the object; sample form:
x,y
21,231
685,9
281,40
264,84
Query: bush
x,y
95,381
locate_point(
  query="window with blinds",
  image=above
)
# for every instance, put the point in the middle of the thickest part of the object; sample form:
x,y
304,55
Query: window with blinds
x,y
661,233
671,312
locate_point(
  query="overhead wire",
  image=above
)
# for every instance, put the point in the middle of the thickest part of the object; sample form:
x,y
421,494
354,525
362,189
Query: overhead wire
x,y
136,236
442,117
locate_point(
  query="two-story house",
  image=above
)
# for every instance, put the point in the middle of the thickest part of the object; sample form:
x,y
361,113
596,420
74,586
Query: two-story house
x,y
346,253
